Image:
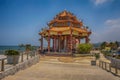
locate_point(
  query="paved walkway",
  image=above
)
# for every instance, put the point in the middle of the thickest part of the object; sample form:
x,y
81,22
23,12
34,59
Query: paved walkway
x,y
101,56
52,69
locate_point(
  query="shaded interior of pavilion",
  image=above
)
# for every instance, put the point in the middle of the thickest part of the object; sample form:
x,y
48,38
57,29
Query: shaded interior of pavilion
x,y
61,44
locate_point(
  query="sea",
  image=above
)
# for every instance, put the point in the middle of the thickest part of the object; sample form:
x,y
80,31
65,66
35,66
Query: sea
x,y
4,48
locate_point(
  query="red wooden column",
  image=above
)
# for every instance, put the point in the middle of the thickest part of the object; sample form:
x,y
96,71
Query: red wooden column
x,y
41,43
66,43
79,40
86,39
71,40
59,43
48,42
55,44
65,46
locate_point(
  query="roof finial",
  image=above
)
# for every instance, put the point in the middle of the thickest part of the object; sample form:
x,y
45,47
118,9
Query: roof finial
x,y
65,9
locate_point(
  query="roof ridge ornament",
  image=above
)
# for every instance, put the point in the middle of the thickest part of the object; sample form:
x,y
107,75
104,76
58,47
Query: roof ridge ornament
x,y
65,9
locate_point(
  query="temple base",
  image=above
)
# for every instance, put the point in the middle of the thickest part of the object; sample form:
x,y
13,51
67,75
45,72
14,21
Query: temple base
x,y
58,54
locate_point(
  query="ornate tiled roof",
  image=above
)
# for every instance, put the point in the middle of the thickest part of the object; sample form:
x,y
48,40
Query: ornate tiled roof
x,y
64,17
64,23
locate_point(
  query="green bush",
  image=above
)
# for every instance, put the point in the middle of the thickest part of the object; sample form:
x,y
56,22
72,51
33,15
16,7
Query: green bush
x,y
97,56
84,48
11,52
106,53
118,57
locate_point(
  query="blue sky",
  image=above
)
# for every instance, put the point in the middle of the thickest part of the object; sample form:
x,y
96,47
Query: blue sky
x,y
21,20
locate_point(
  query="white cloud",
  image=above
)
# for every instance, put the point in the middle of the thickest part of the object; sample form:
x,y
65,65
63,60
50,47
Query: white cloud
x,y
111,32
113,23
98,2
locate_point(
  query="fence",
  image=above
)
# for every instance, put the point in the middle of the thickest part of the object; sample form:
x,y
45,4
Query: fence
x,y
114,61
108,67
25,60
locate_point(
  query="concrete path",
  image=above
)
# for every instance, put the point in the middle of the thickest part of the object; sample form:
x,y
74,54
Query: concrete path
x,y
55,70
102,58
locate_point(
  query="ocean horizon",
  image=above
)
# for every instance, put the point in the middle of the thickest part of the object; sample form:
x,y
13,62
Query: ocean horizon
x,y
4,48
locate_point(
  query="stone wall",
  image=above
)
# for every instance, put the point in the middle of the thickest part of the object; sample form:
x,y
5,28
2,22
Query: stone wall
x,y
21,66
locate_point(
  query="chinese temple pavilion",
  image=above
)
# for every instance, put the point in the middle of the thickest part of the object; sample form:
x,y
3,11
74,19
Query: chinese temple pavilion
x,y
65,31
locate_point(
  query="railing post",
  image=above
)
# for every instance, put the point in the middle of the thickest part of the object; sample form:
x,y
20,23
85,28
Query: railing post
x,y
22,57
105,66
35,53
102,64
14,60
116,71
110,67
99,63
31,55
27,56
2,65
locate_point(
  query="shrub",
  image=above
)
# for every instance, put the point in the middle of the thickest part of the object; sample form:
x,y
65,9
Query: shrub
x,y
11,52
97,56
84,48
106,53
118,57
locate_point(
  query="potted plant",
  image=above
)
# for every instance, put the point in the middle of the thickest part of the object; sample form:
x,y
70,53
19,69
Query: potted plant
x,y
97,56
12,56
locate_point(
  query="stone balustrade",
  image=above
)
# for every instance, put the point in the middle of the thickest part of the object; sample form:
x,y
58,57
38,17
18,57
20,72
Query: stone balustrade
x,y
21,66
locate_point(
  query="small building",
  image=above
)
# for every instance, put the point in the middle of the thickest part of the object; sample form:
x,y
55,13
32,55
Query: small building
x,y
65,31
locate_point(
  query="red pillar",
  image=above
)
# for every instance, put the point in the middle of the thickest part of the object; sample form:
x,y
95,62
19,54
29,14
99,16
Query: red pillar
x,y
79,40
55,44
65,47
87,40
71,40
66,43
41,43
48,42
58,44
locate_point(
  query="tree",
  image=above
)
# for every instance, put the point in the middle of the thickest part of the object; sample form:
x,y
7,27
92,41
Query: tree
x,y
117,44
114,45
28,47
84,48
103,45
21,46
97,56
